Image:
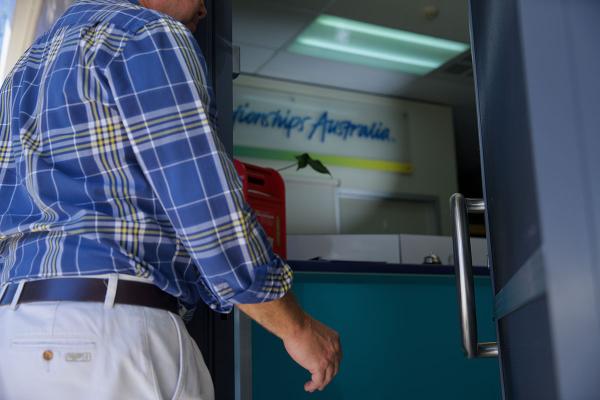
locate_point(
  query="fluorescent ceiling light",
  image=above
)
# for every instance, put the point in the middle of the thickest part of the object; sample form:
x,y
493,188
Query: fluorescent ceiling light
x,y
367,53
376,46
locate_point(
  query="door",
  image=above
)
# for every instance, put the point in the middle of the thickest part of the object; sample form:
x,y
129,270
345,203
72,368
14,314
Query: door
x,y
538,100
213,332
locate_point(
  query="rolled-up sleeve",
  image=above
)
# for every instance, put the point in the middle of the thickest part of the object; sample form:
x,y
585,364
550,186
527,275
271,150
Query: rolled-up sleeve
x,y
160,88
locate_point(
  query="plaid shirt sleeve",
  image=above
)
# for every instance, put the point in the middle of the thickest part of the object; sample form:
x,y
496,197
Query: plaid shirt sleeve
x,y
159,85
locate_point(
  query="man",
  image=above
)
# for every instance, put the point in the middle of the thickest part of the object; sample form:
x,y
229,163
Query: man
x,y
117,204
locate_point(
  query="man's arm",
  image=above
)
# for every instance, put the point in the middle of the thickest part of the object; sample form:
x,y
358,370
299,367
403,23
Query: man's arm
x,y
160,90
311,344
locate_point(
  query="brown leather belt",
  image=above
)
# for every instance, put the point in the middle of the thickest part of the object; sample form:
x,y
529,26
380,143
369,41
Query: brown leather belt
x,y
91,290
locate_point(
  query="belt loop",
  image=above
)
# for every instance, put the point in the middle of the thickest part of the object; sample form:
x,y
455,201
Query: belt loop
x,y
17,297
3,290
111,291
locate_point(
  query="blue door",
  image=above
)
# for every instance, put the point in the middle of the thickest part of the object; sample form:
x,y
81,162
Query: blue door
x,y
538,99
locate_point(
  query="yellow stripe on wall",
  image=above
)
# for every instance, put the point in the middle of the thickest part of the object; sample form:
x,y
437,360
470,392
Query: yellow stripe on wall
x,y
328,160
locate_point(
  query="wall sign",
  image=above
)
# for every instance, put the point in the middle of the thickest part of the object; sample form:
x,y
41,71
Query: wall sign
x,y
275,124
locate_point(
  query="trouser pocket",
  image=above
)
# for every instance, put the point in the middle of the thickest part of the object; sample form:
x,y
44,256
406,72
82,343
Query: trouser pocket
x,y
165,352
74,351
50,353
180,373
34,366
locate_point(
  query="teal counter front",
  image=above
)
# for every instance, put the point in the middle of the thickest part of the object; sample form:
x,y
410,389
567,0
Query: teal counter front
x,y
399,331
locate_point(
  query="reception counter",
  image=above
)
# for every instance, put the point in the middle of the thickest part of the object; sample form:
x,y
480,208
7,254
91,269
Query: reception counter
x,y
399,331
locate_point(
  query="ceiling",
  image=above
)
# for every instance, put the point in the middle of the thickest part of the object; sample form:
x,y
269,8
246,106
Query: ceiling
x,y
265,28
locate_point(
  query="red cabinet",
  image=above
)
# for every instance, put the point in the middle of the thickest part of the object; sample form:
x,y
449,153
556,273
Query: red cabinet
x,y
264,190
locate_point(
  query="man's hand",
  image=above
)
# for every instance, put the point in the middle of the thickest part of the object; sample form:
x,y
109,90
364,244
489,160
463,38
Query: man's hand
x,y
311,344
316,348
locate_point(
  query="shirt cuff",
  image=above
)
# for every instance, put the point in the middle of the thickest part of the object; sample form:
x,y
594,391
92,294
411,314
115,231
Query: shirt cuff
x,y
271,282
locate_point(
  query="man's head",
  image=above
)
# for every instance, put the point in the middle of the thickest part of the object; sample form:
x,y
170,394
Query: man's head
x,y
189,12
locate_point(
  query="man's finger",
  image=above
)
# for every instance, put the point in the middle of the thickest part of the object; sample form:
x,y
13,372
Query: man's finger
x,y
315,382
336,364
329,373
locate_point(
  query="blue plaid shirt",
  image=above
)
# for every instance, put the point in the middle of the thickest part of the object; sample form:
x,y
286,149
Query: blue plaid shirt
x,y
109,163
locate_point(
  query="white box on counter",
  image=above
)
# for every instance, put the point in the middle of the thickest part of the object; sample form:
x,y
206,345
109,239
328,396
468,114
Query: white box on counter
x,y
413,249
395,249
375,248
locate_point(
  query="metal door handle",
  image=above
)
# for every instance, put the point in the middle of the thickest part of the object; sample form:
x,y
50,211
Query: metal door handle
x,y
459,209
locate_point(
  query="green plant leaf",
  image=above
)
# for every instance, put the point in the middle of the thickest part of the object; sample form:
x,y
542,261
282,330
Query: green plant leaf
x,y
302,160
305,160
318,166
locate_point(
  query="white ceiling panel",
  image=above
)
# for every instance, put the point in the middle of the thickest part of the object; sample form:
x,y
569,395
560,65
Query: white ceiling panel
x,y
314,6
451,22
252,58
267,25
299,68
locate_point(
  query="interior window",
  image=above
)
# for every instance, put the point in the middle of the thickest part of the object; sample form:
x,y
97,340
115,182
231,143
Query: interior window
x,y
6,12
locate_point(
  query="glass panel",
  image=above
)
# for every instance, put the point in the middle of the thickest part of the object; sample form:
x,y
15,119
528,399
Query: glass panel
x,y
386,132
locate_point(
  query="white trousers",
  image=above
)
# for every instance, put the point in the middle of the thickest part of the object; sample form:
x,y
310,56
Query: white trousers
x,y
74,350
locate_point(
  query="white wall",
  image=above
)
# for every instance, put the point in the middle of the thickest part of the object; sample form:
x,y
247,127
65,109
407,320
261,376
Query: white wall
x,y
51,11
22,32
31,18
432,154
